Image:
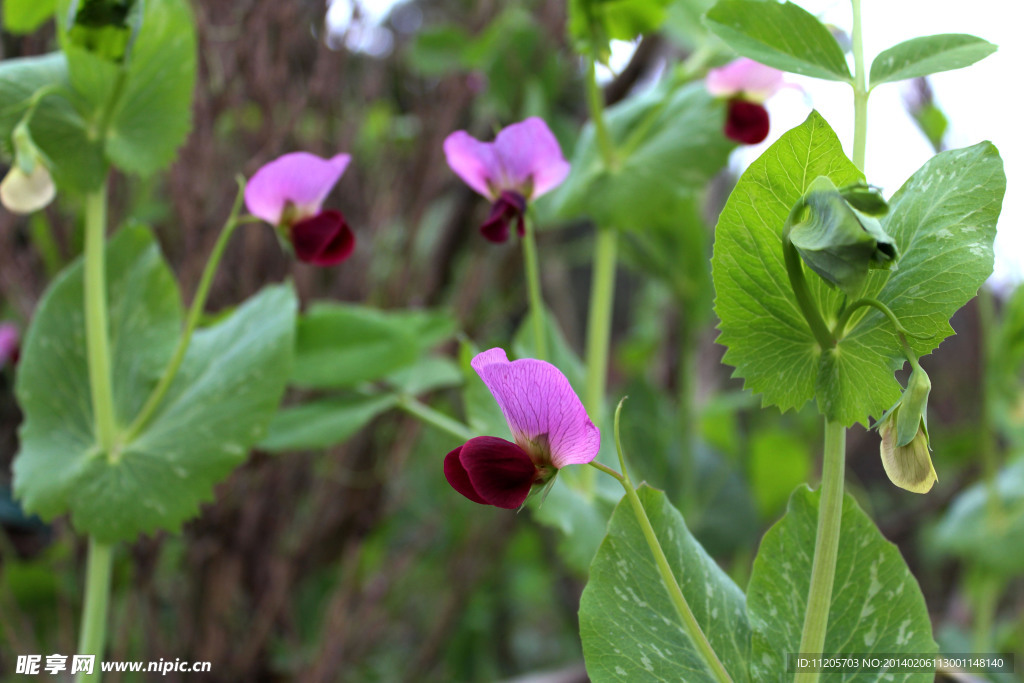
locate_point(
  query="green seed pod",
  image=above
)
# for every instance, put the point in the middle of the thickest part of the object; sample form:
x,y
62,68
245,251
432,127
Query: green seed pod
x,y
836,239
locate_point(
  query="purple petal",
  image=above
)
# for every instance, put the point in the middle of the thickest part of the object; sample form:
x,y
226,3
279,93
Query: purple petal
x,y
457,476
10,343
500,472
323,240
530,157
754,80
299,178
473,161
540,407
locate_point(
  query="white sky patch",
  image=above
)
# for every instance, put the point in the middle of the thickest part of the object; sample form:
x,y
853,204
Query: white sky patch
x,y
357,26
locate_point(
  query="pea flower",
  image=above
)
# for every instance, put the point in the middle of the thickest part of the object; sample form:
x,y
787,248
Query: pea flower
x,y
10,344
747,85
28,186
548,422
522,163
904,431
289,193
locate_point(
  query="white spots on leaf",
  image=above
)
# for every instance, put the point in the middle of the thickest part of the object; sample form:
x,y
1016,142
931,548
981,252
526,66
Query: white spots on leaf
x,y
619,671
646,661
902,637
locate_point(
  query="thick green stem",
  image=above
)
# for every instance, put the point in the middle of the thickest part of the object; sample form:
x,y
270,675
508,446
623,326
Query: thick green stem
x,y
97,339
436,419
194,314
94,615
599,321
533,284
988,590
826,545
595,101
860,92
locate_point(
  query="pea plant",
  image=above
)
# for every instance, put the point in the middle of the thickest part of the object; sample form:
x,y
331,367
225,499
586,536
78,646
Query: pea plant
x,y
136,407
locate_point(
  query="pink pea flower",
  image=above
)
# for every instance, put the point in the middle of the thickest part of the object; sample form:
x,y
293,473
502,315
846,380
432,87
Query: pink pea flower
x,y
289,193
522,163
10,344
548,422
747,85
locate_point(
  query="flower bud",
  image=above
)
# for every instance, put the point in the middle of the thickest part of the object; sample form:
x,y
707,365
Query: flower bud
x,y
28,186
837,235
909,467
904,431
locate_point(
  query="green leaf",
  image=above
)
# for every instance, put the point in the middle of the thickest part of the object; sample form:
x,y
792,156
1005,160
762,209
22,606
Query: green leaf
x,y
594,23
784,36
343,345
877,606
76,160
323,423
427,374
226,391
25,16
629,628
670,144
770,343
986,535
943,223
153,113
928,55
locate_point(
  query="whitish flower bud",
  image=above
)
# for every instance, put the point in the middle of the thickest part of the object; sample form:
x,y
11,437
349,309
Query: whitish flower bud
x,y
909,467
28,186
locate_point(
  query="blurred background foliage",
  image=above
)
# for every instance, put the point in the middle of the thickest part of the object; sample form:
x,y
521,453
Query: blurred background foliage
x,y
356,562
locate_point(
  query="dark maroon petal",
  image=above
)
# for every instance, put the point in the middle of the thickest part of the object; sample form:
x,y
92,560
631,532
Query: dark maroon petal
x,y
500,472
456,475
508,207
323,240
747,122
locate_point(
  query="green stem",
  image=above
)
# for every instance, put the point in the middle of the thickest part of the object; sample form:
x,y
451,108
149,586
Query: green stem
x,y
860,92
96,322
599,321
668,578
595,101
533,285
826,545
986,601
94,615
194,314
795,269
435,418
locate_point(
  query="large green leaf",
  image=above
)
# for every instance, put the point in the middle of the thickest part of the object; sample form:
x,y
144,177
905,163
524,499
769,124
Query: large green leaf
x,y
629,628
25,16
323,423
670,143
153,112
224,394
769,341
877,606
928,55
943,223
343,345
784,36
57,126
